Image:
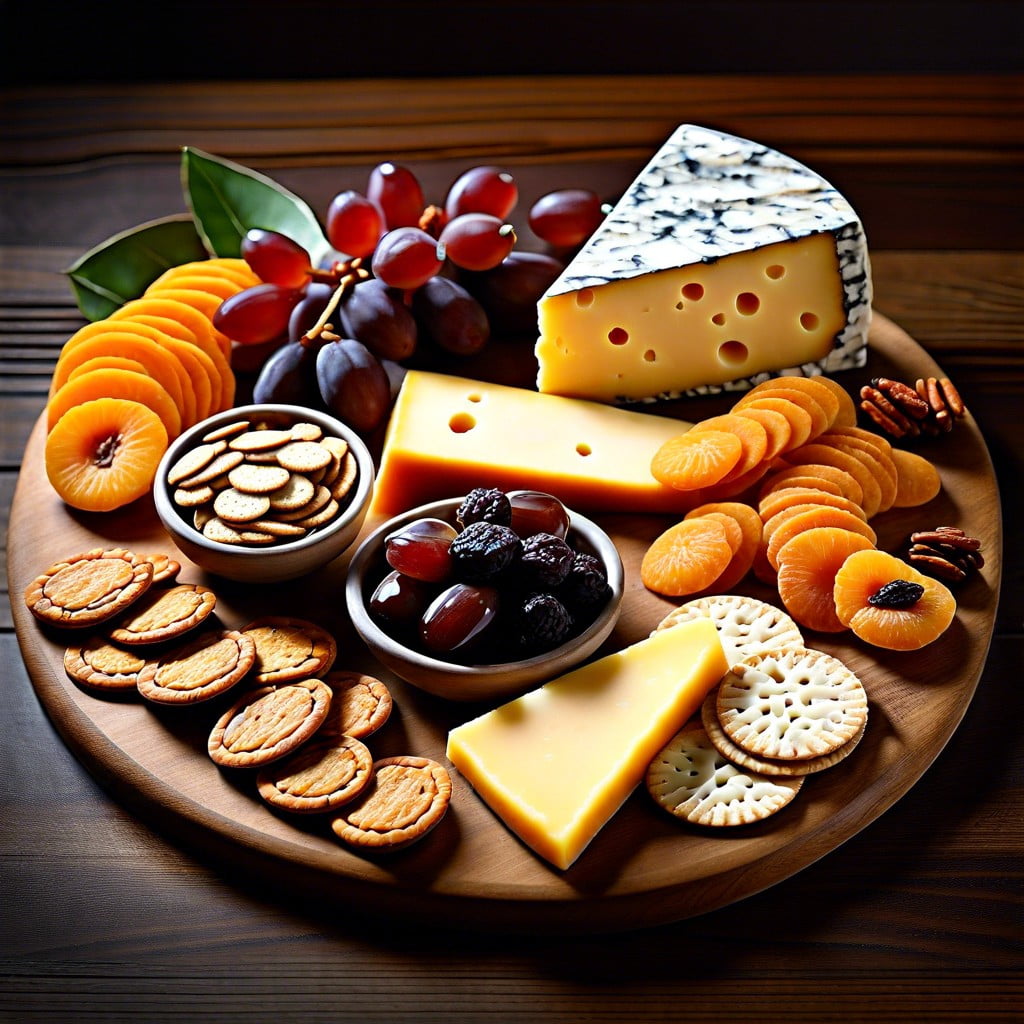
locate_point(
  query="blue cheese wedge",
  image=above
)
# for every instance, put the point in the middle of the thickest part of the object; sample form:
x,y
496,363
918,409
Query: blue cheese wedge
x,y
724,263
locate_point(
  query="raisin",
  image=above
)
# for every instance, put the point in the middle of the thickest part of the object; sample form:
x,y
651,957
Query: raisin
x,y
897,594
586,585
544,622
485,505
546,560
483,550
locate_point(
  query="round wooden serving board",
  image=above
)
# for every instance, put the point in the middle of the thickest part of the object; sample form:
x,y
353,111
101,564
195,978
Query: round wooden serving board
x,y
644,867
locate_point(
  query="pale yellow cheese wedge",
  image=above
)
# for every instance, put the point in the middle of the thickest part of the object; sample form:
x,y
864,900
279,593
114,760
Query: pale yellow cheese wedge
x,y
449,434
557,763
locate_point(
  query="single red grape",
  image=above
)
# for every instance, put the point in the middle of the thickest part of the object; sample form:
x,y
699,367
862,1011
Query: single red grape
x,y
482,190
354,223
406,258
477,241
566,218
275,258
397,194
257,314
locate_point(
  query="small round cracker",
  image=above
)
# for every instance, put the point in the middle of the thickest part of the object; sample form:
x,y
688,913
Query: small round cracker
x,y
323,774
201,669
361,704
101,665
290,648
89,588
407,798
691,780
791,704
746,626
165,614
269,722
767,766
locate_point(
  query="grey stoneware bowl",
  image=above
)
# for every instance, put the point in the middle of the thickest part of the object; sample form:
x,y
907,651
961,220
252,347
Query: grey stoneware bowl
x,y
282,560
477,682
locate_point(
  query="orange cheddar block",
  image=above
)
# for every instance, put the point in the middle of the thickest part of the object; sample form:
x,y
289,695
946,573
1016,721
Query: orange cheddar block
x,y
449,434
557,763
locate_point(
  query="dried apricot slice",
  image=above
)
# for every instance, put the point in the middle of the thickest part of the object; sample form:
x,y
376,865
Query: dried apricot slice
x,y
753,439
785,525
107,363
811,386
829,455
694,460
112,383
104,453
686,558
201,301
917,479
888,603
784,480
777,428
801,399
846,416
822,475
159,363
749,524
874,451
800,421
786,497
808,565
215,284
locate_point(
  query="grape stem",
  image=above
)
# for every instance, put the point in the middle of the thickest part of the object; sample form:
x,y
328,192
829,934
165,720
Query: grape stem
x,y
352,272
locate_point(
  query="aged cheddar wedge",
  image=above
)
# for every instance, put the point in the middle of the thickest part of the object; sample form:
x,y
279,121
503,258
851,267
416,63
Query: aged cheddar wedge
x,y
558,762
723,260
447,435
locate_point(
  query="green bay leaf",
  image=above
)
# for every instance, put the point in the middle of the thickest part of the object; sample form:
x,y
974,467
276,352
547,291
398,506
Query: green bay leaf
x,y
123,266
227,199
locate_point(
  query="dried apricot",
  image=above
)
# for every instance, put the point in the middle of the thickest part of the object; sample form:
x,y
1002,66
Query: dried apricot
x,y
808,564
686,558
104,453
846,416
829,455
788,496
113,383
778,431
753,439
811,386
917,479
786,479
749,524
801,399
800,421
847,484
888,603
785,525
698,459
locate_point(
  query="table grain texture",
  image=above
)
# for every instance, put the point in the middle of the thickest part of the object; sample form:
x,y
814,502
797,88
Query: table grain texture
x,y
917,918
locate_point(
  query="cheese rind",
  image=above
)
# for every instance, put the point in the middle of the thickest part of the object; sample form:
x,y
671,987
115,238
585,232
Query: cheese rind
x,y
724,262
449,434
556,764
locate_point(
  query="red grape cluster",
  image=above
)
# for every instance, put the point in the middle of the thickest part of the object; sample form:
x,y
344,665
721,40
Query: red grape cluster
x,y
406,276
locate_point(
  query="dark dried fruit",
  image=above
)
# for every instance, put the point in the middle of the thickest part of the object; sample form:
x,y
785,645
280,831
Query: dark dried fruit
x,y
586,586
546,560
458,616
483,550
897,594
538,512
485,505
544,623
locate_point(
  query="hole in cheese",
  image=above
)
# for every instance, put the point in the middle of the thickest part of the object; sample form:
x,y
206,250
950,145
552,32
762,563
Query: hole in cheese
x,y
461,423
809,321
583,449
732,353
585,297
474,397
718,319
694,292
650,356
775,271
617,336
747,303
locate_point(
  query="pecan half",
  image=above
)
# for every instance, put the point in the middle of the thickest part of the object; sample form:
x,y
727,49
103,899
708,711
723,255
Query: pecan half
x,y
946,553
930,407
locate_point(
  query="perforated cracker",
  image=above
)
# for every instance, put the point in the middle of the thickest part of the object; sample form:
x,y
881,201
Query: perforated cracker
x,y
791,704
691,780
746,626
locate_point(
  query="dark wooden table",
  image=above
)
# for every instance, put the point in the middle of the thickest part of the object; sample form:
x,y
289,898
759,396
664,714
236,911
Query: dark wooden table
x,y
918,917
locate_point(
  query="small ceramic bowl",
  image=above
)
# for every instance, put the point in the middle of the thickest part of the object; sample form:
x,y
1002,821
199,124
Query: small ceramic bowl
x,y
282,560
477,682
